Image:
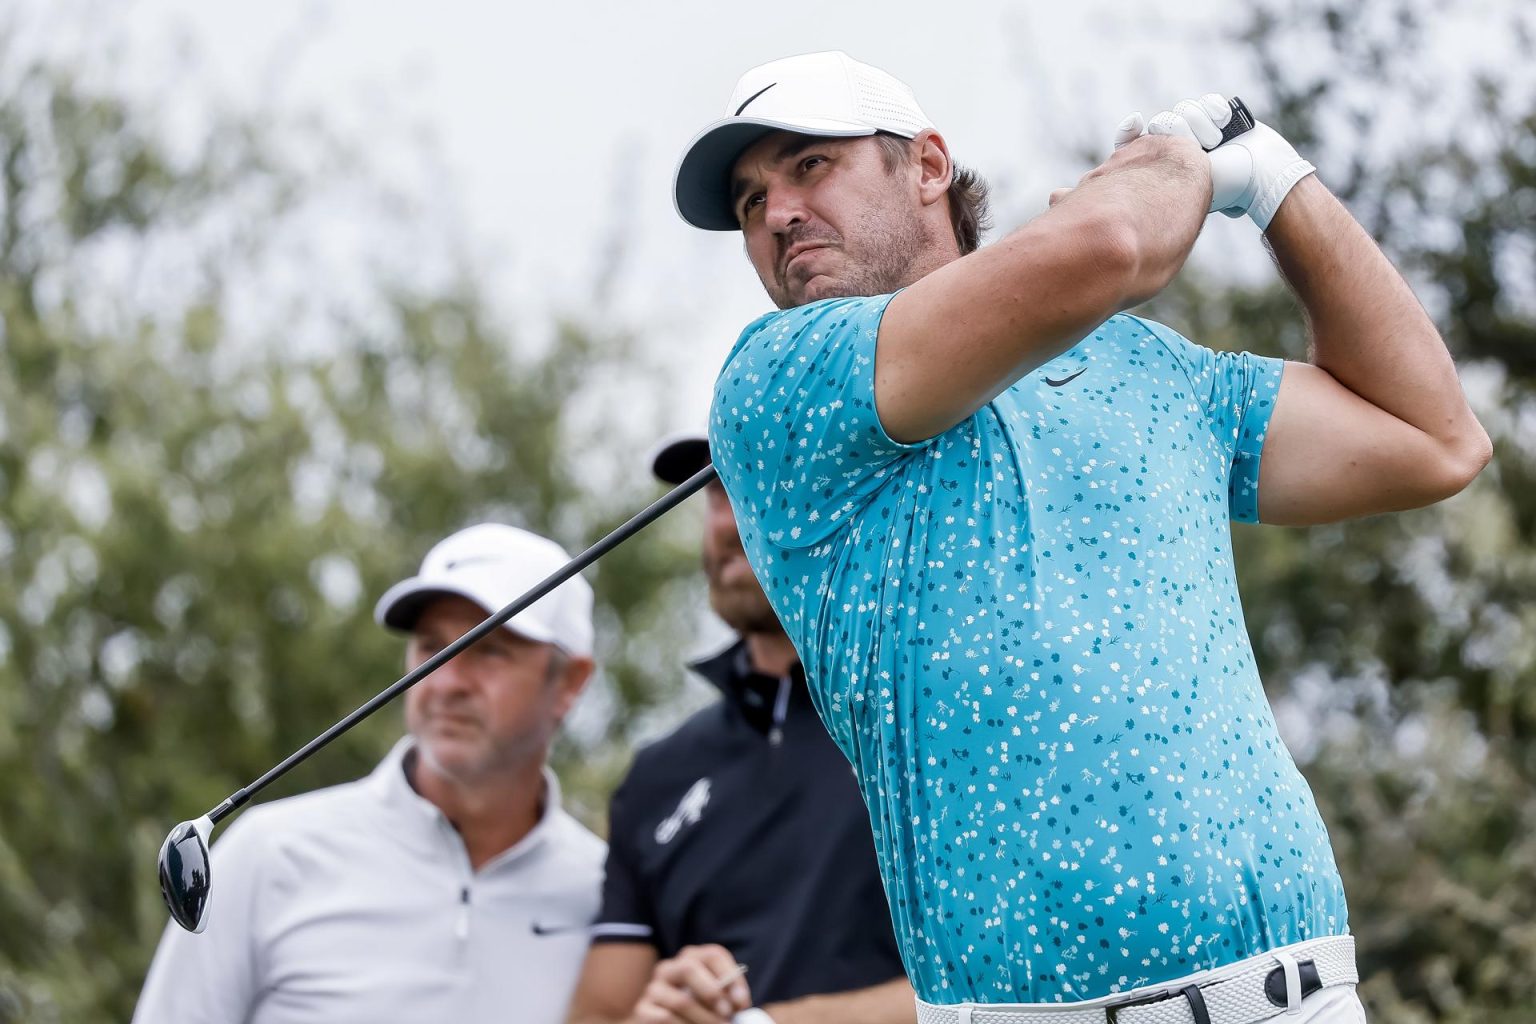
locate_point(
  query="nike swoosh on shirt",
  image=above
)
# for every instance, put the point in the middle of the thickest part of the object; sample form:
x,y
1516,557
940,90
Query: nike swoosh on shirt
x,y
754,96
1066,380
558,929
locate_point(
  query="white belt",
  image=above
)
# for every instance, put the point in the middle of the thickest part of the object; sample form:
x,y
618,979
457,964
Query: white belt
x,y
1246,992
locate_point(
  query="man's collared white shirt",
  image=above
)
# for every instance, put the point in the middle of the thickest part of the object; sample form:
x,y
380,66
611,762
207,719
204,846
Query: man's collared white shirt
x,y
357,903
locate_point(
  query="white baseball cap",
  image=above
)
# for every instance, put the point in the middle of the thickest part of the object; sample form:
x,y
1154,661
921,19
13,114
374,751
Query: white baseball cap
x,y
828,94
492,564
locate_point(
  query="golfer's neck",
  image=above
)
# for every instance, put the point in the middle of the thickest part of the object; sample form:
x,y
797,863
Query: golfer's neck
x,y
491,814
771,653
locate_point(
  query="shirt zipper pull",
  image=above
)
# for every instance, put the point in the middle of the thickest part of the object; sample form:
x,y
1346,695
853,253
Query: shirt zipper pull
x,y
780,710
461,930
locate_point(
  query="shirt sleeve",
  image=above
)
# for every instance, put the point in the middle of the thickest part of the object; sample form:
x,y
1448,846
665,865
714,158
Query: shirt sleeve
x,y
794,432
1238,391
625,915
211,978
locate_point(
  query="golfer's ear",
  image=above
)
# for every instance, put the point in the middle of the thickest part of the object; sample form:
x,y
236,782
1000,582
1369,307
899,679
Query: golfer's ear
x,y
935,169
578,671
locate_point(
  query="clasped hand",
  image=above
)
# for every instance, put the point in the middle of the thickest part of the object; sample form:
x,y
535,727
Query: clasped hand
x,y
1250,174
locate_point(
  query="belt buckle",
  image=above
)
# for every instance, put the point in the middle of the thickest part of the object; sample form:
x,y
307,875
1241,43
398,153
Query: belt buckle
x,y
1189,992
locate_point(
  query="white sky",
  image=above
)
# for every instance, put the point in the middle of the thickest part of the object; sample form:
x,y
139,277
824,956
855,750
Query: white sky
x,y
550,131
540,135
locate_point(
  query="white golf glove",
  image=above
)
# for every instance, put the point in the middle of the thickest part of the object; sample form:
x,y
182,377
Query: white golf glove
x,y
1250,174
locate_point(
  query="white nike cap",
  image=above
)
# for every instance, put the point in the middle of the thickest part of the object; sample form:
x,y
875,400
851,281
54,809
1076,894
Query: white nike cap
x,y
492,564
828,94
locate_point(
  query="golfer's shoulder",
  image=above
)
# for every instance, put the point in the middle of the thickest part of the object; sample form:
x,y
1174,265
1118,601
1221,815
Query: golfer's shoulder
x,y
677,752
576,847
1138,343
1138,332
822,321
302,818
695,747
1127,330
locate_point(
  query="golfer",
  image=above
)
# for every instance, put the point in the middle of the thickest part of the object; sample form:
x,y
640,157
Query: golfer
x,y
992,512
740,839
448,885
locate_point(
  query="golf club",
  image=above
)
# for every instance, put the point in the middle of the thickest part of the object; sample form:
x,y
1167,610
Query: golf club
x,y
185,880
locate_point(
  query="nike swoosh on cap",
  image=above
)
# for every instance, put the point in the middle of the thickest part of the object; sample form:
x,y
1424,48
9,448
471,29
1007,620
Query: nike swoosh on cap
x,y
471,560
754,96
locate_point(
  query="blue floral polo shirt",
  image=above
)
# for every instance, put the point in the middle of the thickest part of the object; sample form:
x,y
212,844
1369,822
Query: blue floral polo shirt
x,y
1025,635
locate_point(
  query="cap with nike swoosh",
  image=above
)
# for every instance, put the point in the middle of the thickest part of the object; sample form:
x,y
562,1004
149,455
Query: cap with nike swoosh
x,y
492,564
826,94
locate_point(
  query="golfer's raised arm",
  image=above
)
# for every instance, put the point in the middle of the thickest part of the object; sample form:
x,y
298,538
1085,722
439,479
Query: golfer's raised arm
x,y
955,339
1378,421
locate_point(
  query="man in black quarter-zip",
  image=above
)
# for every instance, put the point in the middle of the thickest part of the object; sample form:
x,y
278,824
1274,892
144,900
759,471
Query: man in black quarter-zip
x,y
741,881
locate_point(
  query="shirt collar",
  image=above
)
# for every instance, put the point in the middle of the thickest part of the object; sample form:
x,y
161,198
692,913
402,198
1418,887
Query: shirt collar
x,y
727,668
754,695
423,818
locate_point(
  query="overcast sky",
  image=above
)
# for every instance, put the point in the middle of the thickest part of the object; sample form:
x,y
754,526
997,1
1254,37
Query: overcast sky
x,y
547,132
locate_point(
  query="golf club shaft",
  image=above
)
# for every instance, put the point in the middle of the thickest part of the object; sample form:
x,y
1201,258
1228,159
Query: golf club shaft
x,y
655,511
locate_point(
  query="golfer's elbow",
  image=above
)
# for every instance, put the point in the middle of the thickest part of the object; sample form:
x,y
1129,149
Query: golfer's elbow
x,y
1453,464
1469,457
1134,264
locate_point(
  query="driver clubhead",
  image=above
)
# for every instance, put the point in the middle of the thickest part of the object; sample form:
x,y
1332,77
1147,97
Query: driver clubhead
x,y
185,880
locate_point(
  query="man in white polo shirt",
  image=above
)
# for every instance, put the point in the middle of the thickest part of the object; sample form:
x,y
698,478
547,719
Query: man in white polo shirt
x,y
448,885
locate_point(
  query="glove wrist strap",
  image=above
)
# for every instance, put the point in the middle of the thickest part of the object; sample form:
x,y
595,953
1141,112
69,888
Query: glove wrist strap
x,y
1267,202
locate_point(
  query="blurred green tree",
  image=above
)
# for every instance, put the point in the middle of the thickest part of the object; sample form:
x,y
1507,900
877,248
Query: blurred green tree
x,y
1401,651
194,522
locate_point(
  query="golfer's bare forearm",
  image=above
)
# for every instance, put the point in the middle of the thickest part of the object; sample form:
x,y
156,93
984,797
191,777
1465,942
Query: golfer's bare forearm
x,y
955,339
613,978
890,1003
1371,334
583,1011
603,1016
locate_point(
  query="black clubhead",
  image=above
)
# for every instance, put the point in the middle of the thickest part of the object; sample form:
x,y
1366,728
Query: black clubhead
x,y
185,881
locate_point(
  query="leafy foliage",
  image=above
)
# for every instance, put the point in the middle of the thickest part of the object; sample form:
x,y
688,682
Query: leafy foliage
x,y
1401,651
194,522
196,513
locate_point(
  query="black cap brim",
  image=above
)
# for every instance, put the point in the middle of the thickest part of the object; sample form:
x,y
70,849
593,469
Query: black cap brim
x,y
677,460
701,190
